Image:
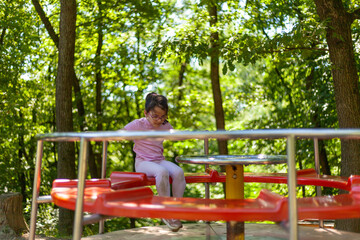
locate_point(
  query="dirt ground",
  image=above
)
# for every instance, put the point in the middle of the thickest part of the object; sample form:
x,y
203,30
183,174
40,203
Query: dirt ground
x,y
215,231
37,237
200,231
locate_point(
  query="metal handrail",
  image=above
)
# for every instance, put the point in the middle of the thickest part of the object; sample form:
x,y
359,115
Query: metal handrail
x,y
259,159
347,133
291,135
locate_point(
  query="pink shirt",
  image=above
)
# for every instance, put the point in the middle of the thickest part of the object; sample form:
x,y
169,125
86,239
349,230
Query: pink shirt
x,y
148,150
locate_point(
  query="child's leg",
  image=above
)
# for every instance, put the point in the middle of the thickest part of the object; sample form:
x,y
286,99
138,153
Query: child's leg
x,y
161,174
177,175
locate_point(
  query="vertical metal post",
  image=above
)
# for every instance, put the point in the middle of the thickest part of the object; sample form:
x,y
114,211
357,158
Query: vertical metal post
x,y
78,222
207,187
235,190
104,159
317,168
206,152
293,218
103,175
36,189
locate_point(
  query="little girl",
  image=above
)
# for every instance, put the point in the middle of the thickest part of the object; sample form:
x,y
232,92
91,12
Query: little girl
x,y
149,153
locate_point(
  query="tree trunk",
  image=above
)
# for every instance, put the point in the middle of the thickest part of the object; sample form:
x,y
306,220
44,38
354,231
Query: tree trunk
x,y
45,20
2,36
75,81
64,120
324,163
346,80
99,80
215,77
94,171
181,80
11,213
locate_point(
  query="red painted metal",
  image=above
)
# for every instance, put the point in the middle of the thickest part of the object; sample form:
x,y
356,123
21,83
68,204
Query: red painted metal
x,y
126,194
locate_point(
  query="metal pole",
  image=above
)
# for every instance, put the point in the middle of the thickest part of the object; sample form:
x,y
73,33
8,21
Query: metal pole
x,y
291,148
104,159
235,190
206,152
207,187
103,175
317,168
78,222
36,189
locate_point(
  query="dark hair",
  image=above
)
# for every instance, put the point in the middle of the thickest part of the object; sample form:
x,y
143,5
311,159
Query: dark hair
x,y
153,100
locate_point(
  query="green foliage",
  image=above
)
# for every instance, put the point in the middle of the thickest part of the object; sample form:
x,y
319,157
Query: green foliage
x,y
275,74
24,102
47,219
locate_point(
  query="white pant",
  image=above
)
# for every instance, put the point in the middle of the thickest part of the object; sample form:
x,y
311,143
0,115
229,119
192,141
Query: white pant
x,y
161,170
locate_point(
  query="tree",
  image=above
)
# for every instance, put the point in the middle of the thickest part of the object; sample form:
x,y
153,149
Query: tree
x,y
18,96
338,21
93,161
11,214
214,74
273,55
64,118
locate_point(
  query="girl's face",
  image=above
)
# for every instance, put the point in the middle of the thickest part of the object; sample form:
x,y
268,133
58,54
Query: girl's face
x,y
156,116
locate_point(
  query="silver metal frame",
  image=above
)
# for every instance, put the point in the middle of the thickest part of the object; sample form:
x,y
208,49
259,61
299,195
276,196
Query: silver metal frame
x,y
232,159
291,152
291,135
206,152
317,168
36,189
103,176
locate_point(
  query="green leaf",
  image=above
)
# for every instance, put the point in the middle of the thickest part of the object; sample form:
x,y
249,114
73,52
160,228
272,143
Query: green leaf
x,y
225,69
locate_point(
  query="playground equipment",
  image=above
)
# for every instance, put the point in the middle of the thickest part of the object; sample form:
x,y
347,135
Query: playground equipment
x,y
234,178
127,194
